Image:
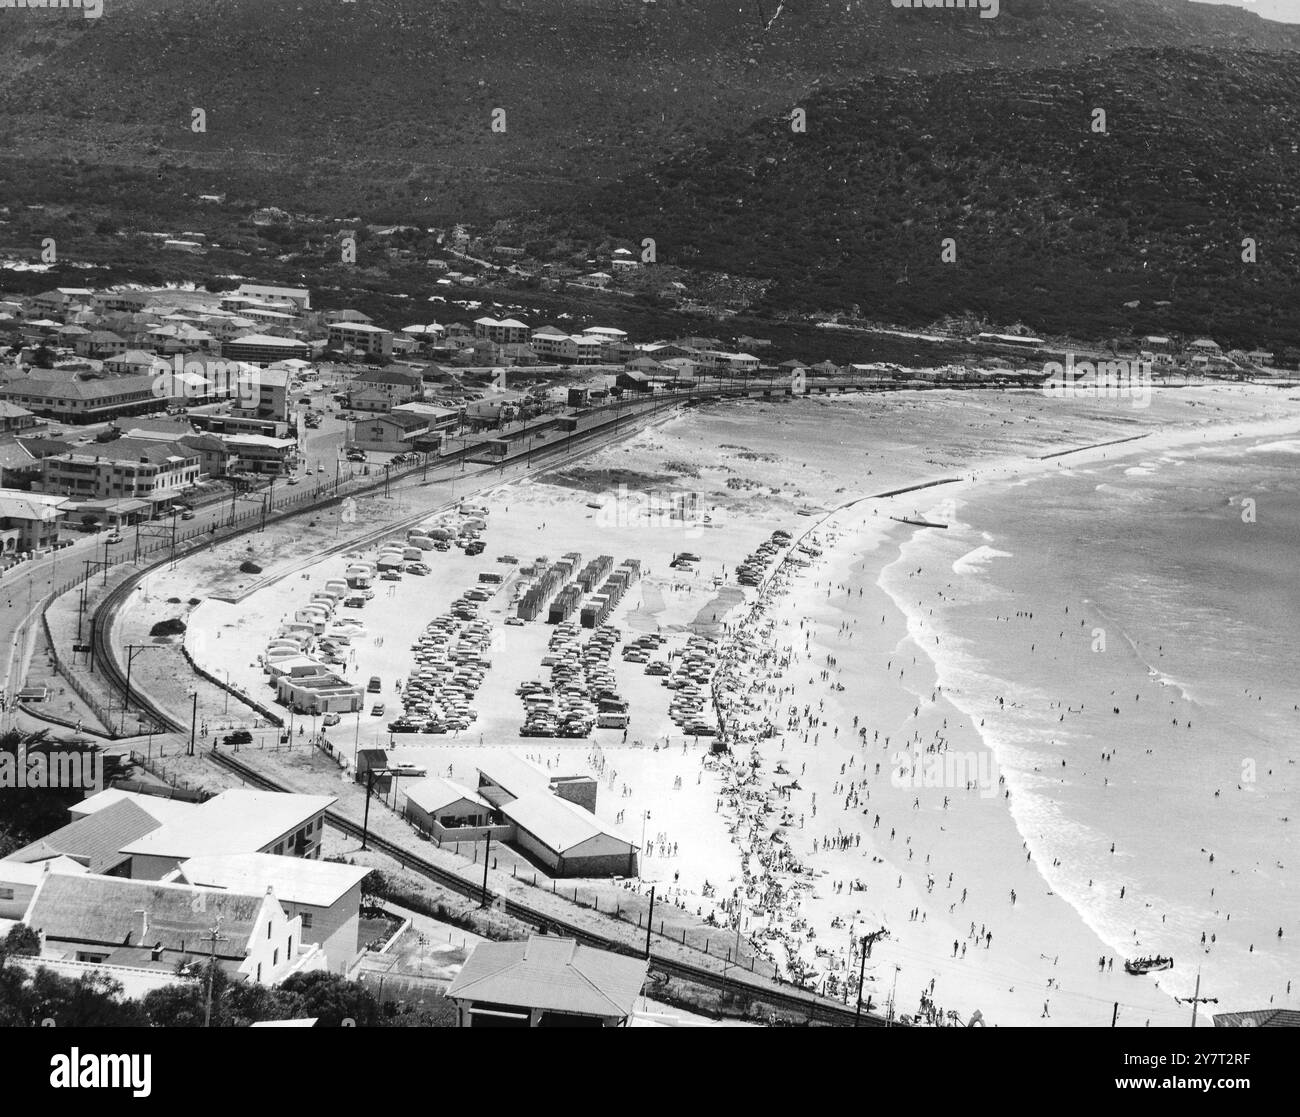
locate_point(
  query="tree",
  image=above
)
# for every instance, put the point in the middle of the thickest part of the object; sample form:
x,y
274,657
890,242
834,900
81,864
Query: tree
x,y
331,999
21,942
93,1000
177,1006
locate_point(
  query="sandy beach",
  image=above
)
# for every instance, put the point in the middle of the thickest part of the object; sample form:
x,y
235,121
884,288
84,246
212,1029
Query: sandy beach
x,y
872,790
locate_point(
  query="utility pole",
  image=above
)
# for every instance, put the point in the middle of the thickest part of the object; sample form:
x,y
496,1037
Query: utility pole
x,y
740,918
650,920
194,721
371,775
486,849
867,941
889,1017
132,650
1196,1000
215,936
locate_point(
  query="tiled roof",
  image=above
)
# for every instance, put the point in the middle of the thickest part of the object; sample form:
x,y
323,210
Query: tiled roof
x,y
553,974
1259,1018
113,910
96,840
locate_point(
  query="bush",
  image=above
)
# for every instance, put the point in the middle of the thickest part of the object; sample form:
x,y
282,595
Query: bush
x,y
249,567
196,601
174,626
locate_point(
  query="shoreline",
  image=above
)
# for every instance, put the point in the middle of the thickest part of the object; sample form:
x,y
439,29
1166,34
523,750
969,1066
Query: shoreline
x,y
866,542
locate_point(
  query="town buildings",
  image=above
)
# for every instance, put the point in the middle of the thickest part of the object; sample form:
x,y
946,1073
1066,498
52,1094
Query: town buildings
x,y
79,398
145,469
361,337
385,388
263,349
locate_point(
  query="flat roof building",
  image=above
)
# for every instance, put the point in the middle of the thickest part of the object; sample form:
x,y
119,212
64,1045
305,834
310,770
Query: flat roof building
x,y
236,821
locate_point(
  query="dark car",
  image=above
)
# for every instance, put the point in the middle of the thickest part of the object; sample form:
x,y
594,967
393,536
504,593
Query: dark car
x,y
239,737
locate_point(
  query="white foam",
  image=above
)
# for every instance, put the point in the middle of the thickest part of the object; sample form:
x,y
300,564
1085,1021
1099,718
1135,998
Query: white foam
x,y
973,562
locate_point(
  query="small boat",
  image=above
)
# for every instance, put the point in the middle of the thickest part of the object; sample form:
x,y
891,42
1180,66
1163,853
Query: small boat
x,y
1140,966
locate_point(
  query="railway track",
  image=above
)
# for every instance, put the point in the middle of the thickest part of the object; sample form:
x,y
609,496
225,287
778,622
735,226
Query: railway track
x,y
105,653
789,999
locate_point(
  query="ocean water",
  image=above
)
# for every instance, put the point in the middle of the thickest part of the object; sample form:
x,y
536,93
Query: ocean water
x,y
1153,587
1134,584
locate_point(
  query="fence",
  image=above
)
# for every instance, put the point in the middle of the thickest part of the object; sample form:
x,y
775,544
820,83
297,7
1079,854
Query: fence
x,y
78,687
702,940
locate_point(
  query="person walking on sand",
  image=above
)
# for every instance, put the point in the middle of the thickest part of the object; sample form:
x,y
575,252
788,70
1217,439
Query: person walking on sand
x,y
1046,1014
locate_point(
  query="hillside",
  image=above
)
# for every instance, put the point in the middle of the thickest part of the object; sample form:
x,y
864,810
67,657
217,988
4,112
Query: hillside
x,y
383,107
1055,226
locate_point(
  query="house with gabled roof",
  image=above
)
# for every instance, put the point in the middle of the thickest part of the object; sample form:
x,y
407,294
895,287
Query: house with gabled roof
x,y
325,895
152,925
95,841
384,388
546,982
396,432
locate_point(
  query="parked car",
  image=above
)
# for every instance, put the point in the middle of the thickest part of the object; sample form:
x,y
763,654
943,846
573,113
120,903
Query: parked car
x,y
330,719
187,515
377,710
239,737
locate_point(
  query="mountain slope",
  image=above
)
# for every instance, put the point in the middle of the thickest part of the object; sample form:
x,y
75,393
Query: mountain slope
x,y
385,105
1054,224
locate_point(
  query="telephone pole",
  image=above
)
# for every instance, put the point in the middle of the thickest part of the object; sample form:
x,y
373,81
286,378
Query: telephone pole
x,y
1196,1000
486,850
649,921
867,941
214,936
133,650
